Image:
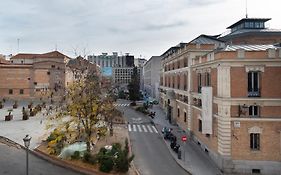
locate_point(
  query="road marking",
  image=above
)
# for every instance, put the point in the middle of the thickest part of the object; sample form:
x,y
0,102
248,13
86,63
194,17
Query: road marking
x,y
150,130
134,128
153,127
139,127
143,126
129,127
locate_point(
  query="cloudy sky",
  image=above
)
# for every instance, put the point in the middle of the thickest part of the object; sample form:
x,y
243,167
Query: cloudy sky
x,y
139,27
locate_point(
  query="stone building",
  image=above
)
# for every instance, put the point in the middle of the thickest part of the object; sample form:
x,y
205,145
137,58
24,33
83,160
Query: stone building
x,y
33,75
151,71
227,98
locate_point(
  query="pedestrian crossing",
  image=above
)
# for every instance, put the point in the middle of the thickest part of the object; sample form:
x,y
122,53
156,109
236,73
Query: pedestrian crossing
x,y
122,105
142,128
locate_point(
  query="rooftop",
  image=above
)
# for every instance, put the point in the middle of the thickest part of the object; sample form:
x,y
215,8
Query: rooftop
x,y
249,20
53,54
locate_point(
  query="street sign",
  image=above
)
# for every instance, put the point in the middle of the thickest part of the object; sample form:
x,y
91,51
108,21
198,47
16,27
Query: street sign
x,y
184,138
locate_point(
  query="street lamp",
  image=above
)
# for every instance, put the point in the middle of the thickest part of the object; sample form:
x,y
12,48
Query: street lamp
x,y
26,141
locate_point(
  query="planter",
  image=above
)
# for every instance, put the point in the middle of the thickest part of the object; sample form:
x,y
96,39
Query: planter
x,y
8,117
15,106
25,117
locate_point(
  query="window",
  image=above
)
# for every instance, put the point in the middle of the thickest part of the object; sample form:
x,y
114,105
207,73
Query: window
x,y
255,141
199,83
199,125
253,84
247,24
21,91
256,171
184,116
254,111
178,112
53,66
10,91
35,83
251,24
208,79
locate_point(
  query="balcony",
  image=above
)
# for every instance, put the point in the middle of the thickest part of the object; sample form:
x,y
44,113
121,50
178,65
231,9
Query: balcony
x,y
256,93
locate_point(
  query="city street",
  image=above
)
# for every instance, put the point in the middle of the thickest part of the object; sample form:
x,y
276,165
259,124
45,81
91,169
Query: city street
x,y
152,156
13,162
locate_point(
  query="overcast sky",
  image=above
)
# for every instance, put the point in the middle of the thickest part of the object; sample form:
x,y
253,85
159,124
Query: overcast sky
x,y
139,27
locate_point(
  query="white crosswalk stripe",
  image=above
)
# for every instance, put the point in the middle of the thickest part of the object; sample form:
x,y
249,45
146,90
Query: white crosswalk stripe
x,y
150,130
142,128
134,128
139,127
153,127
123,105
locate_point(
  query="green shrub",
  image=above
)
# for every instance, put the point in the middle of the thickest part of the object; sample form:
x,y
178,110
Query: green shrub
x,y
86,156
106,164
142,109
76,155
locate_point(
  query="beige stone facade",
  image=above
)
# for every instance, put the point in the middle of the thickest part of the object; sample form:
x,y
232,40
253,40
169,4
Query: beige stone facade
x,y
246,101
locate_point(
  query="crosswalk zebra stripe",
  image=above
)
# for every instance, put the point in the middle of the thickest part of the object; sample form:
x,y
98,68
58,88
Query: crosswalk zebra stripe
x,y
150,130
134,128
153,127
129,127
139,127
144,128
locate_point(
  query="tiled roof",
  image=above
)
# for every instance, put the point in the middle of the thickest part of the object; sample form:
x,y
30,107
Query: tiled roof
x,y
256,47
205,39
54,54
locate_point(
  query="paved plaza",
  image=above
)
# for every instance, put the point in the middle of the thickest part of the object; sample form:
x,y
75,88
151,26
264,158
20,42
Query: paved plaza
x,y
17,128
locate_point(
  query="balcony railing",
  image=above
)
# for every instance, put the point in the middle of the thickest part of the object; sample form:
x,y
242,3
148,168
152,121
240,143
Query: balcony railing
x,y
256,93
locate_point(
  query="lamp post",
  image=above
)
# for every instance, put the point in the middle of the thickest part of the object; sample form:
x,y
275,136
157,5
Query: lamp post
x,y
26,141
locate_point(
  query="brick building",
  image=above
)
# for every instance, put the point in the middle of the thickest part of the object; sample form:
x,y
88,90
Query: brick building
x,y
228,99
32,75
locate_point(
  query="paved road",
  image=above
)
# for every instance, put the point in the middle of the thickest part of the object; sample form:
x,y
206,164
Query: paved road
x,y
152,157
13,162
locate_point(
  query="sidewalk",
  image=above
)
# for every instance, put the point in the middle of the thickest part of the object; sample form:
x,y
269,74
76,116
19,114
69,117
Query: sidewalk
x,y
193,159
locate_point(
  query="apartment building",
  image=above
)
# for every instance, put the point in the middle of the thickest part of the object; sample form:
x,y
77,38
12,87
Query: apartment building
x,y
32,75
122,75
227,98
151,72
113,60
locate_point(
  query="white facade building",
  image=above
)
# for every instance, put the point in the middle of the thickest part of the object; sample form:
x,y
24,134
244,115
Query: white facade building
x,y
152,76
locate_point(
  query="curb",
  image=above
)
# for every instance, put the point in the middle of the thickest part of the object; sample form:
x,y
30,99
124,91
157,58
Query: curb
x,y
56,161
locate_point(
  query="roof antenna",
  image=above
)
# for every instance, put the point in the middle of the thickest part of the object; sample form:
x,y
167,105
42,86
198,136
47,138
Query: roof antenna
x,y
18,45
246,8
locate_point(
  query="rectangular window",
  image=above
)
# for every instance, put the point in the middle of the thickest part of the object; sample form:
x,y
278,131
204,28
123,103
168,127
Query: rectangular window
x,y
208,79
184,116
199,125
251,25
199,83
178,112
10,91
254,111
21,91
255,141
53,66
253,84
